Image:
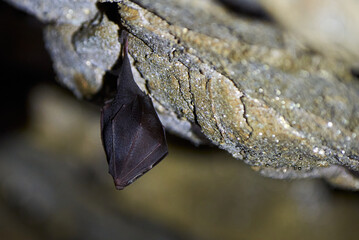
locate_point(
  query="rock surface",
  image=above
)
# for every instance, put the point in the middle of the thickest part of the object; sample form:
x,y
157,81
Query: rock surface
x,y
251,89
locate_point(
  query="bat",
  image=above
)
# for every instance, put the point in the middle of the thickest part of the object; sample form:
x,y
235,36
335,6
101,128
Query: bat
x,y
132,135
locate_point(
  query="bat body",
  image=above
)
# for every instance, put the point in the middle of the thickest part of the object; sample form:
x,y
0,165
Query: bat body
x,y
132,134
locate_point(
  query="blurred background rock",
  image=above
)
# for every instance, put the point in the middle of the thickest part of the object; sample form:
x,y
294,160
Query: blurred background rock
x,y
54,182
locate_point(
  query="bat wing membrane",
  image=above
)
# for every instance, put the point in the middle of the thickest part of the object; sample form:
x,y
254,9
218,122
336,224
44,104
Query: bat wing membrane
x,y
106,135
132,134
136,140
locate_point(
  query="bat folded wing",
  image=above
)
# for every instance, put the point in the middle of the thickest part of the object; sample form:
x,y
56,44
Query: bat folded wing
x,y
134,139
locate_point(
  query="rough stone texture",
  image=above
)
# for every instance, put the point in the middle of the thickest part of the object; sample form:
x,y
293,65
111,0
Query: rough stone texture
x,y
82,55
61,12
287,112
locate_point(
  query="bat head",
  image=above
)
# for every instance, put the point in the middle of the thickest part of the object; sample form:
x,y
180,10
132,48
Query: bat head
x,y
122,181
120,184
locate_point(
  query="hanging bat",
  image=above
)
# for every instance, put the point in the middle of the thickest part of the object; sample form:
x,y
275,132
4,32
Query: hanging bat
x,y
132,134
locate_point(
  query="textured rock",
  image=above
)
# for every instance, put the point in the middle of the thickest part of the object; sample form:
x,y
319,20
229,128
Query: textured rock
x,y
288,115
287,112
82,55
61,11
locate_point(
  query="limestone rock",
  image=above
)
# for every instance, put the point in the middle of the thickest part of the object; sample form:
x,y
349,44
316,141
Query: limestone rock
x,y
251,89
59,11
